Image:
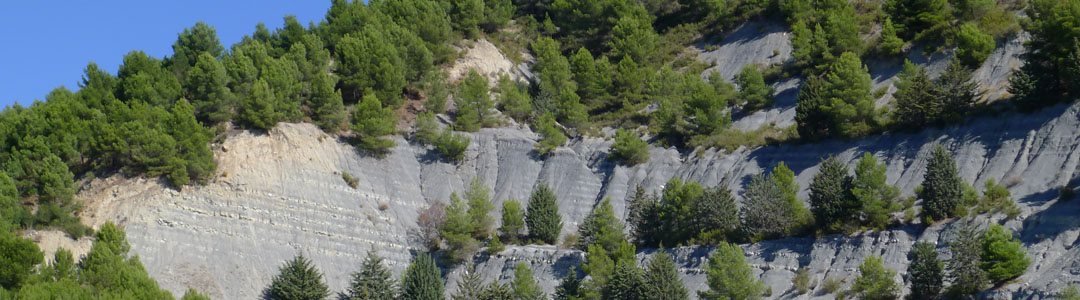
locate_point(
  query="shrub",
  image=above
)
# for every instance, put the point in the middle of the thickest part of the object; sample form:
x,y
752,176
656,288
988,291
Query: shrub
x,y
451,146
550,135
629,148
875,281
801,281
752,88
830,285
351,181
973,46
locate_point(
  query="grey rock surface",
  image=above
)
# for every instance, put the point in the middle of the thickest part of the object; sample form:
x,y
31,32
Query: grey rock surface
x,y
282,193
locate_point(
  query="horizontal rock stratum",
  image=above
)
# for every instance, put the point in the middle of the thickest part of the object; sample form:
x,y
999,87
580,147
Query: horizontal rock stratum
x,y
281,193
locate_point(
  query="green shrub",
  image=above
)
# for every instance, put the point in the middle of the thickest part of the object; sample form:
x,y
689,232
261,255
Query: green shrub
x,y
550,135
629,148
451,146
1003,257
830,285
973,46
801,281
351,181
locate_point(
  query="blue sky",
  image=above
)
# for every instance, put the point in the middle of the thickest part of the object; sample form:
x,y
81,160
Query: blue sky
x,y
46,44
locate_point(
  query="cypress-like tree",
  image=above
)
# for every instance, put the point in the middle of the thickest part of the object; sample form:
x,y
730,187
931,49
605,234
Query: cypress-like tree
x,y
831,200
524,285
813,122
965,273
422,280
925,272
542,216
765,213
917,98
875,282
298,280
1002,256
569,286
729,276
479,208
373,281
752,88
371,122
662,279
942,187
959,91
626,283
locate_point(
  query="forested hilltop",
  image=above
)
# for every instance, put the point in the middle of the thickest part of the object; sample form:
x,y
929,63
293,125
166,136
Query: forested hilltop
x,y
370,71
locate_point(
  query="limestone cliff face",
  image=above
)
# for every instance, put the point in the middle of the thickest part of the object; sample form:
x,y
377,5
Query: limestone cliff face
x,y
280,193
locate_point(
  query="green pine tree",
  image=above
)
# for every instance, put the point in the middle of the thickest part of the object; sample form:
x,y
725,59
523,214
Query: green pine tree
x,y
831,200
372,122
525,287
542,216
925,272
550,135
628,148
422,280
942,188
513,220
875,282
752,88
373,281
297,279
326,105
662,279
966,276
479,208
1002,256
917,98
258,109
729,276
871,190
626,283
474,104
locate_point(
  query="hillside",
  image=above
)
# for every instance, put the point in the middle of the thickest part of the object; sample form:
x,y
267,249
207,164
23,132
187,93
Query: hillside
x,y
787,149
283,194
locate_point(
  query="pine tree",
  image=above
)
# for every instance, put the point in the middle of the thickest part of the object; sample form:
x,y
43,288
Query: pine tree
x,y
890,44
542,216
972,45
850,104
326,105
626,283
550,135
497,291
715,217
875,282
662,279
474,105
569,285
959,91
495,245
601,227
752,88
17,260
765,213
785,178
871,190
1002,256
513,220
925,272
729,276
628,148
942,187
965,272
831,200
373,281
258,109
368,60
634,37
371,122
206,87
297,280
917,98
812,120
457,230
525,287
470,285
479,208
422,280
514,99
451,146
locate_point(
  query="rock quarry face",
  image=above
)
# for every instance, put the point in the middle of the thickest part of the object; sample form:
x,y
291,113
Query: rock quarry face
x,y
282,192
